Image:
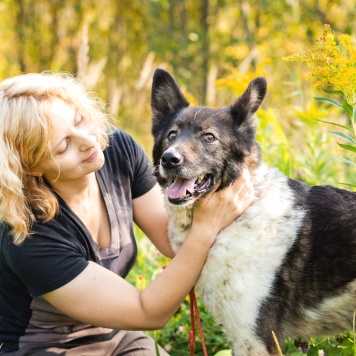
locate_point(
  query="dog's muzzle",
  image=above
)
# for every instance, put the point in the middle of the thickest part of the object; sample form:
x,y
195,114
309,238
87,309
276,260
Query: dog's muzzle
x,y
183,190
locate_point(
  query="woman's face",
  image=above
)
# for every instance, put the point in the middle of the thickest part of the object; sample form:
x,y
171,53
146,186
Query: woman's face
x,y
76,151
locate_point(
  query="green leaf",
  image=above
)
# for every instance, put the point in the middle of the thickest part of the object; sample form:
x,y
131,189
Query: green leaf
x,y
346,184
347,147
342,135
339,159
156,345
338,92
335,123
347,107
330,101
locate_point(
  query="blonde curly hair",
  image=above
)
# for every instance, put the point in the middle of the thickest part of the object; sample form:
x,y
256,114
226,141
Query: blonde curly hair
x,y
26,131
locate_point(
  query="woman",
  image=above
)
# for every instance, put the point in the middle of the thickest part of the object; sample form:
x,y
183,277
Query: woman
x,y
70,189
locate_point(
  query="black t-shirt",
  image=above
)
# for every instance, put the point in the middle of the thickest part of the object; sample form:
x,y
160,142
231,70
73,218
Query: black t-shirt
x,y
59,250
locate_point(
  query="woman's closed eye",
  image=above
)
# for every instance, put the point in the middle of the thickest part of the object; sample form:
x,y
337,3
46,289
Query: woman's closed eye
x,y
65,147
80,119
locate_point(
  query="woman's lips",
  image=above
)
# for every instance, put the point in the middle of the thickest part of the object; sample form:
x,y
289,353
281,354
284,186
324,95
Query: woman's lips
x,y
92,156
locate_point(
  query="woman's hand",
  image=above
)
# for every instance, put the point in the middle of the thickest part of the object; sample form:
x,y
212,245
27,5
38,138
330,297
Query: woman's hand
x,y
216,210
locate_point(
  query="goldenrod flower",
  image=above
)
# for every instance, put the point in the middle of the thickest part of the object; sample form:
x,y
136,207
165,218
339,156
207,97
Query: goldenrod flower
x,y
332,63
238,82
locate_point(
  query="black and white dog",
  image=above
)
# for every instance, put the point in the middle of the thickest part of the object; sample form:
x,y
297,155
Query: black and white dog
x,y
288,263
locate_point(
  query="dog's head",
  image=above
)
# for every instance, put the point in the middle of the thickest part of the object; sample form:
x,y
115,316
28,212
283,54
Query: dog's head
x,y
196,147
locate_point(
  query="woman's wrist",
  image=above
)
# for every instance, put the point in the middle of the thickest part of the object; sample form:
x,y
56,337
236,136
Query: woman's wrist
x,y
203,233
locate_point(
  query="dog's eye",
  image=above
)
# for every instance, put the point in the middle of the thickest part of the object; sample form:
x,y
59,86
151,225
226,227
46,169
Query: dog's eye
x,y
208,137
172,135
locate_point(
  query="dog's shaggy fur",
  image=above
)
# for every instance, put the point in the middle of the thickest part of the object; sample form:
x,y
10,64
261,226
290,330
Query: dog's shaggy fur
x,y
288,263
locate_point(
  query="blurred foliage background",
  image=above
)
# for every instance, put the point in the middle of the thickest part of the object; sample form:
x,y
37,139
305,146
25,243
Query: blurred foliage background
x,y
213,48
115,45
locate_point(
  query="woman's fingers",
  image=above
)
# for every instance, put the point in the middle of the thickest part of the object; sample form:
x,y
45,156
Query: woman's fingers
x,y
220,208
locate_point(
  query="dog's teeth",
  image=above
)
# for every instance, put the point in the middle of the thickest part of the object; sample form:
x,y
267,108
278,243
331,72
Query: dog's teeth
x,y
199,180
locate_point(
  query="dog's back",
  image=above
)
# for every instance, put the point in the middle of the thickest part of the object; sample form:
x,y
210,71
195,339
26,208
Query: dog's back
x,y
314,291
288,264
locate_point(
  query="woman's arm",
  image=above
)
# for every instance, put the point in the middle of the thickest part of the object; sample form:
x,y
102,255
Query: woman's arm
x,y
100,297
151,217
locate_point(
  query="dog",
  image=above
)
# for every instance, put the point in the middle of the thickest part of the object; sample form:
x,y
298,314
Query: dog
x,y
288,264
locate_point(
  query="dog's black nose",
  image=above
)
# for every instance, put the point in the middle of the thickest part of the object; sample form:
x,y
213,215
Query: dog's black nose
x,y
171,159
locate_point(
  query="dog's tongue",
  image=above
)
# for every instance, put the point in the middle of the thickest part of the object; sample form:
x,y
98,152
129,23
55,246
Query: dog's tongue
x,y
180,187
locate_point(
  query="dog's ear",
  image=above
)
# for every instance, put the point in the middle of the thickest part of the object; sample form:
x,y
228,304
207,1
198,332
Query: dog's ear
x,y
166,98
248,103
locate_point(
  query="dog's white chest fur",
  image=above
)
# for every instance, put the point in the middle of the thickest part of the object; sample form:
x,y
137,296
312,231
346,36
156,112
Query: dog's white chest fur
x,y
241,265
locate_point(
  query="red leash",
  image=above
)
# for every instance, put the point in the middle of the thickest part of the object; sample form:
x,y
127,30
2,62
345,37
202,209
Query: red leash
x,y
194,313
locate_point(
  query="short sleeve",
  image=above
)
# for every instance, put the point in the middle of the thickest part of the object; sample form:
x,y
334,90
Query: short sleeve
x,y
144,179
128,155
47,260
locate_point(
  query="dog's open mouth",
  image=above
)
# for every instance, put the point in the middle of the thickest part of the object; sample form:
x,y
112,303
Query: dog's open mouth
x,y
183,190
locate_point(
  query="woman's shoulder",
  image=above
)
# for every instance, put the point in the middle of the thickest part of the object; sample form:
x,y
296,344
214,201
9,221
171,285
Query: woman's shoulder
x,y
123,151
123,140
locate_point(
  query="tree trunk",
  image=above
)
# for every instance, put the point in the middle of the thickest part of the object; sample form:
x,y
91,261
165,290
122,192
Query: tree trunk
x,y
204,23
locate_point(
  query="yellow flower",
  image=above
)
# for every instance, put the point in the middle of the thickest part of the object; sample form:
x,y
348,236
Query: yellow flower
x,y
332,62
238,82
345,41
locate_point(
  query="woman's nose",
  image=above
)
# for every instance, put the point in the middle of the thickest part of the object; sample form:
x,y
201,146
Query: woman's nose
x,y
86,141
